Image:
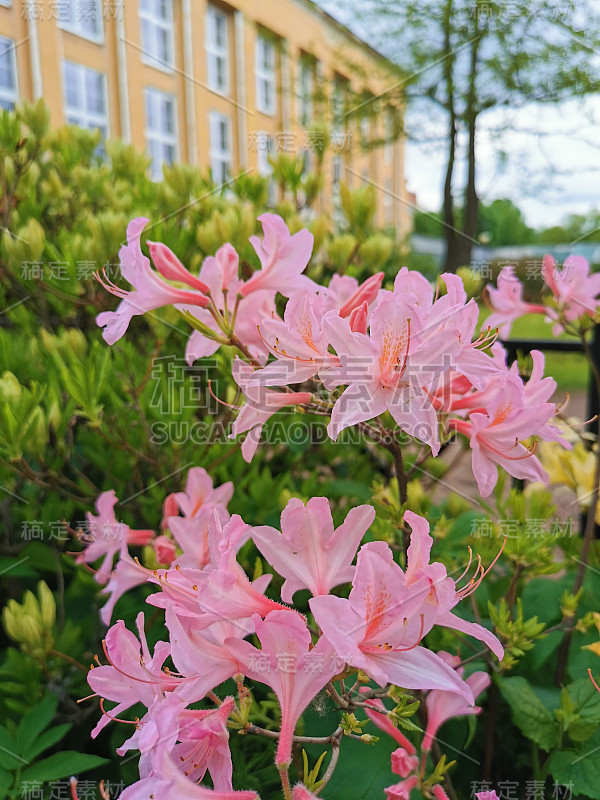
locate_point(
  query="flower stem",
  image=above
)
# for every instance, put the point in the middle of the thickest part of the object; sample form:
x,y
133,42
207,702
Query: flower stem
x,y
285,783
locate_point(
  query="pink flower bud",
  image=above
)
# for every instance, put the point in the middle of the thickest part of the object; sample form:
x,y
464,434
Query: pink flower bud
x,y
170,266
164,549
403,763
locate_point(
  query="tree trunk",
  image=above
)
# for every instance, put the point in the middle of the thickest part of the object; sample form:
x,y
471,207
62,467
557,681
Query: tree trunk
x,y
450,231
460,254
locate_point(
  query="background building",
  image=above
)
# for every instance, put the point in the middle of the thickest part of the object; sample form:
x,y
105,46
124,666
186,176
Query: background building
x,y
215,84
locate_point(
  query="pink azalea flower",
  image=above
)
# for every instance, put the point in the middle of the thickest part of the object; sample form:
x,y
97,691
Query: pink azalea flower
x,y
283,258
106,536
170,783
260,405
442,589
574,289
379,627
198,740
221,591
150,291
454,314
512,413
308,552
507,302
198,504
200,495
392,369
345,294
442,706
125,576
133,676
299,342
201,655
487,795
220,273
401,790
439,793
403,763
287,662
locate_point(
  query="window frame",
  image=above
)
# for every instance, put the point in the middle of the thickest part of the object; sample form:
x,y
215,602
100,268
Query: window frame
x,y
11,47
76,29
215,51
306,67
217,154
265,76
160,136
149,58
102,121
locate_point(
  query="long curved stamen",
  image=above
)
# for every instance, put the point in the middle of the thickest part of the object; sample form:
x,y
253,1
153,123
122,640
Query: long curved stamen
x,y
486,338
530,451
592,679
109,285
560,406
218,399
473,583
466,569
416,644
282,353
89,697
125,674
116,719
468,590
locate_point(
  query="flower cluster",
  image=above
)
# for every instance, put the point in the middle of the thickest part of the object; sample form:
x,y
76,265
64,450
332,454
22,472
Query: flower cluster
x,y
574,295
212,609
361,354
355,351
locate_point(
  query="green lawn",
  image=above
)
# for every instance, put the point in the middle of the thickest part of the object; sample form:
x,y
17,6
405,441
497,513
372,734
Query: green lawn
x,y
569,370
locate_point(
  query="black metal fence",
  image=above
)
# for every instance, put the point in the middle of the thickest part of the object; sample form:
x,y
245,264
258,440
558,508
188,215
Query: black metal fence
x,y
525,346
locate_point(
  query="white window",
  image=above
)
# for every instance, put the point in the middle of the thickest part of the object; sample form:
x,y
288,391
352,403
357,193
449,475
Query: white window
x,y
8,74
305,91
339,91
220,147
306,162
217,50
85,97
266,146
82,17
265,74
157,33
161,130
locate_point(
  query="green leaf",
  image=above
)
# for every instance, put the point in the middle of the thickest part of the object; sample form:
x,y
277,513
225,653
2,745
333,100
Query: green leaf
x,y
34,722
9,751
6,781
579,768
529,714
47,739
61,765
586,698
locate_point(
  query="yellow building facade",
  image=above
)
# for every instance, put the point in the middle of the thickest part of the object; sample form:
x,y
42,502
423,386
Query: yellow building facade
x,y
219,85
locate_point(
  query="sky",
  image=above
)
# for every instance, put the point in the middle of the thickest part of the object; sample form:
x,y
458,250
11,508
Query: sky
x,y
547,176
